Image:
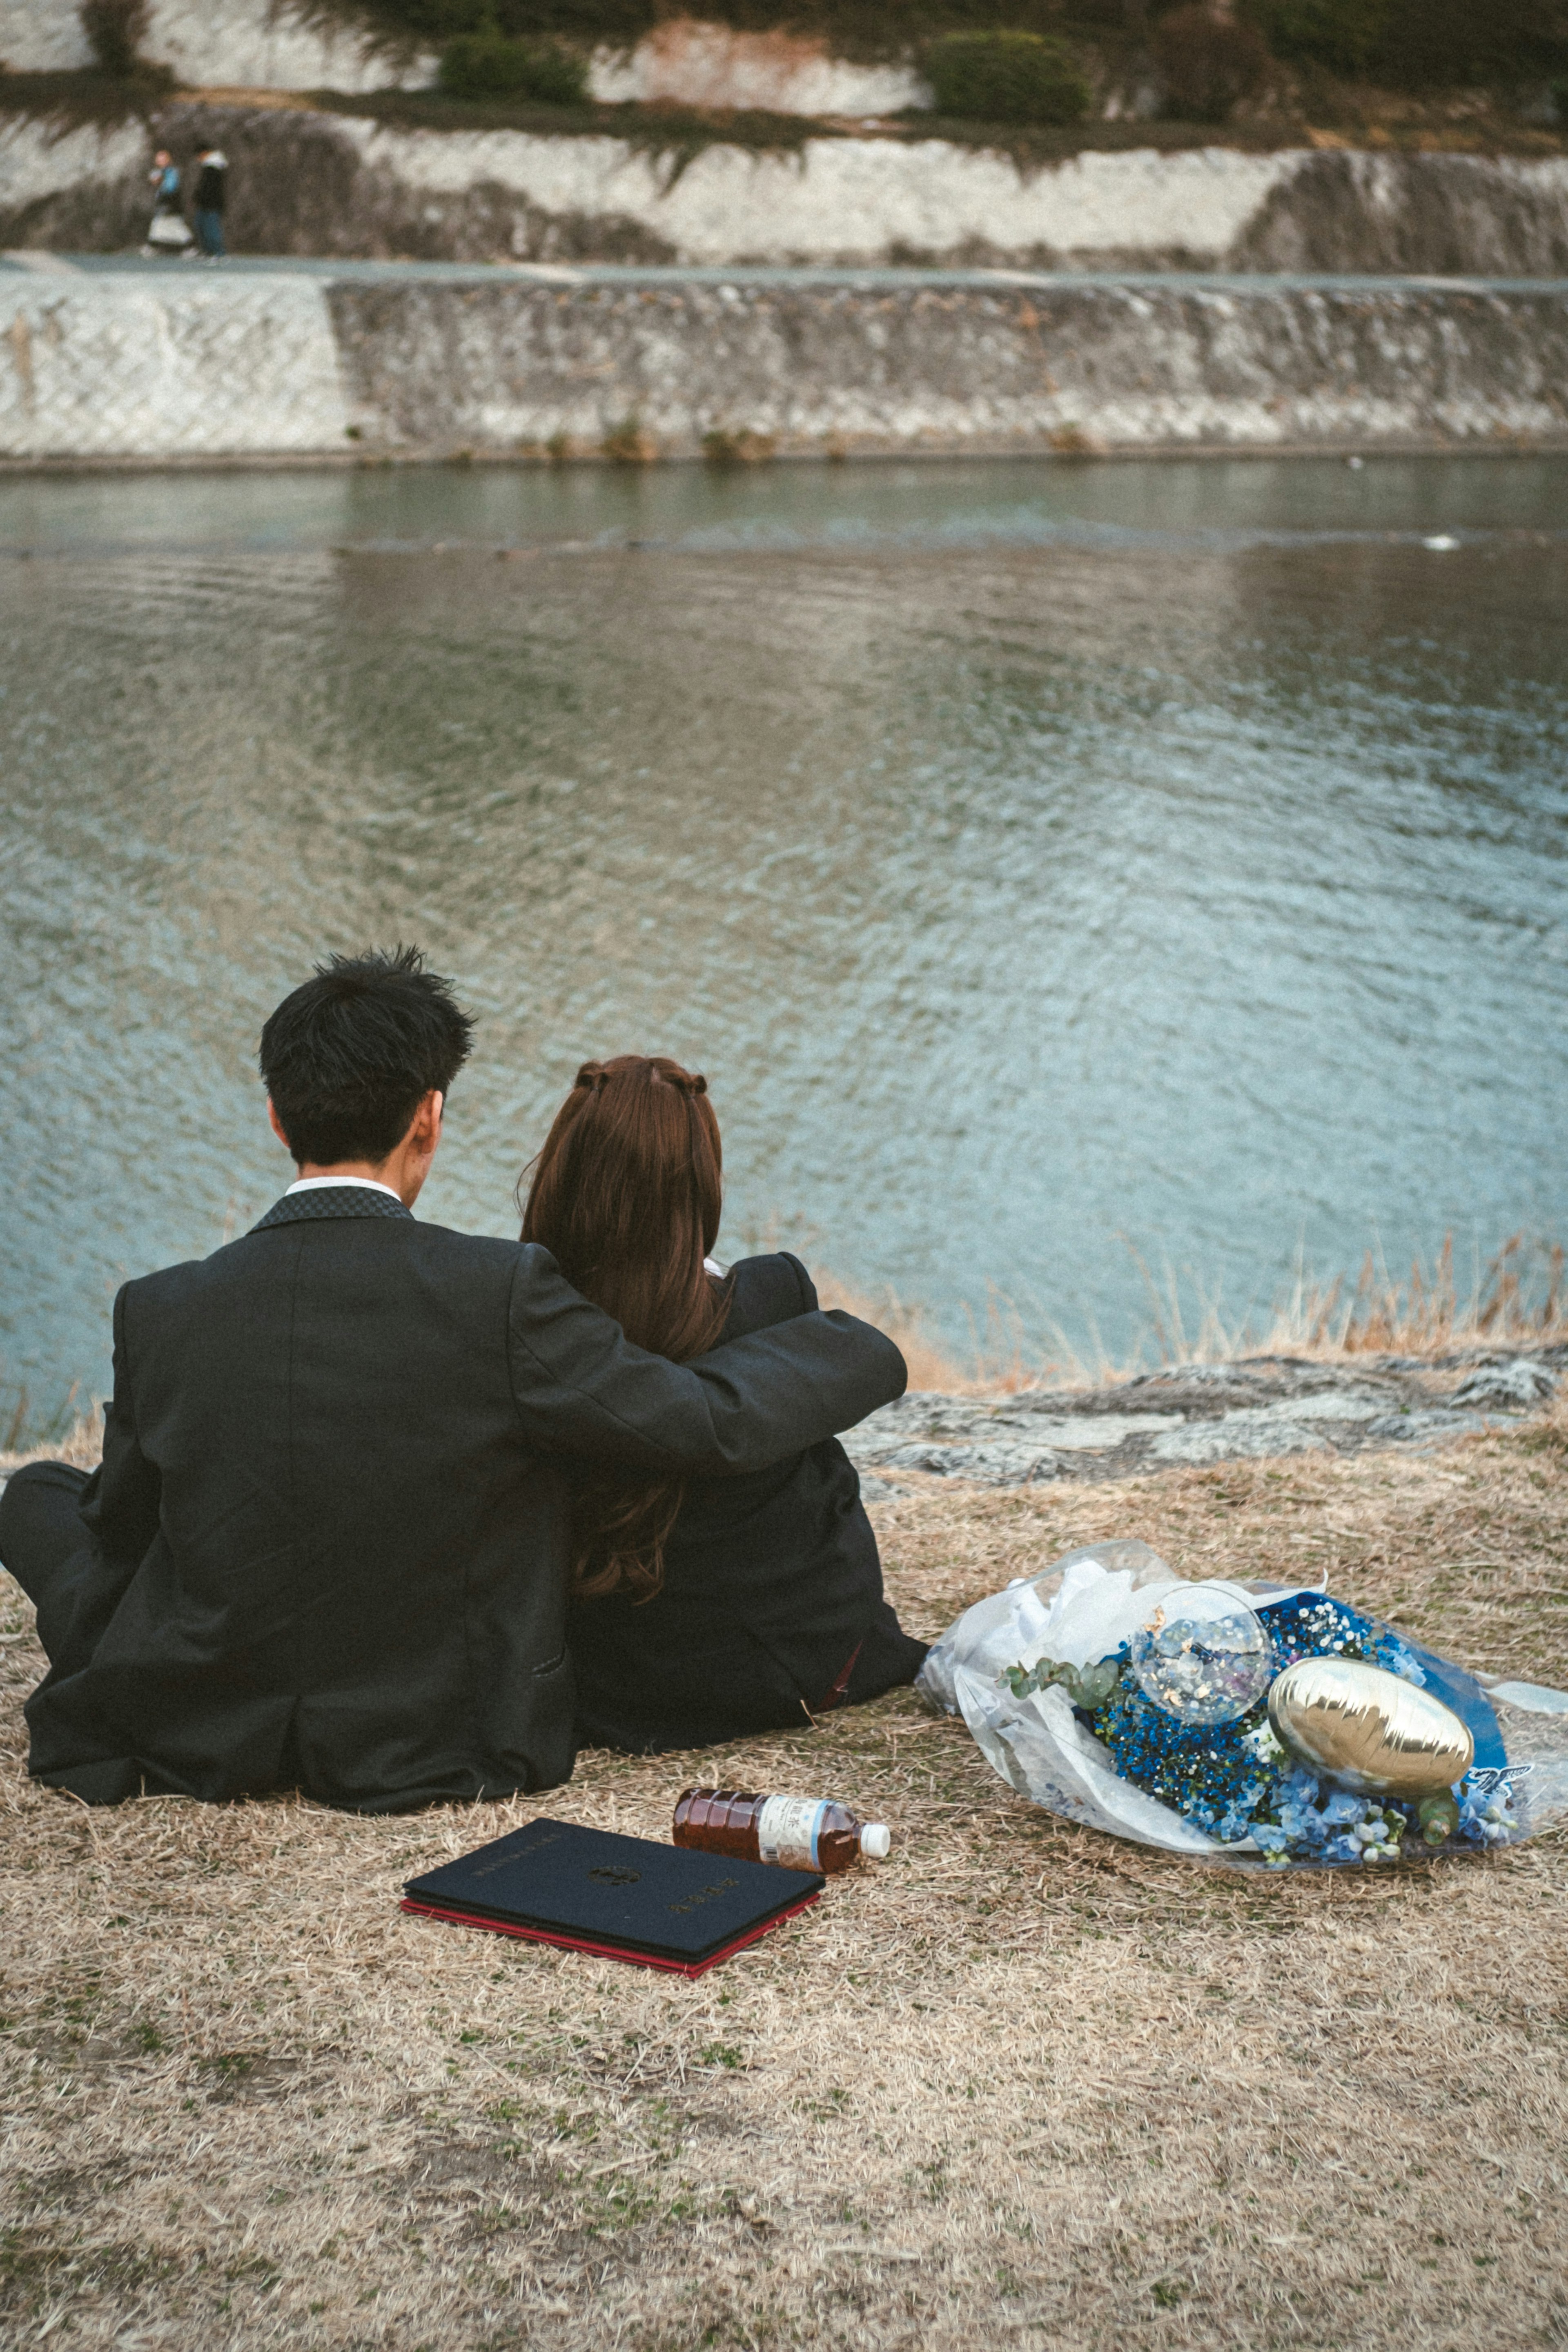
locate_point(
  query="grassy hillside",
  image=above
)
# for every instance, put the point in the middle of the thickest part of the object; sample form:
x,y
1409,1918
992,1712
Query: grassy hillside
x,y
1060,75
1406,44
1020,2085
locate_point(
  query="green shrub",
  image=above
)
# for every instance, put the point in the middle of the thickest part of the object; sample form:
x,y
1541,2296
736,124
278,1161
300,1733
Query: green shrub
x,y
486,65
1340,34
1207,63
115,30
628,443
440,21
1414,44
1005,78
1471,40
724,447
436,21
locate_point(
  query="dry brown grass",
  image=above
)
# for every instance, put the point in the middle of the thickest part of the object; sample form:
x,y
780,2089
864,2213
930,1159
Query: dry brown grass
x,y
82,1444
1518,1299
1022,2085
930,1365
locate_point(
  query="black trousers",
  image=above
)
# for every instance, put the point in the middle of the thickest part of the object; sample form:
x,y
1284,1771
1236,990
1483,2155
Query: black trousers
x,y
40,1532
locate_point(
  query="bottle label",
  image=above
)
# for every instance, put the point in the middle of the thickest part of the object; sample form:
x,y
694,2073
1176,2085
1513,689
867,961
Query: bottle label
x,y
787,1831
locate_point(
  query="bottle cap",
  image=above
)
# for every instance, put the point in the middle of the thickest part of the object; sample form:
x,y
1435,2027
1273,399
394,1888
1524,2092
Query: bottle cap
x,y
874,1840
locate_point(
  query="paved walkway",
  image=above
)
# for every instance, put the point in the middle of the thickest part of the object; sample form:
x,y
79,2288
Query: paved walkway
x,y
1238,285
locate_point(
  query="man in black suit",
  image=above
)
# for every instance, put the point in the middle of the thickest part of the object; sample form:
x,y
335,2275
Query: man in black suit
x,y
327,1548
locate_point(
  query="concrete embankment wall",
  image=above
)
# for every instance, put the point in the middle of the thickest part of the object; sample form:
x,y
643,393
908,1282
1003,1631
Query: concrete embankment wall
x,y
292,44
309,182
240,44
121,365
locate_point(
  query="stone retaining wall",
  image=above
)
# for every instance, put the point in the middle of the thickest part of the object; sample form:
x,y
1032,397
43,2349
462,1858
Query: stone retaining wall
x,y
121,367
290,45
309,182
237,44
173,362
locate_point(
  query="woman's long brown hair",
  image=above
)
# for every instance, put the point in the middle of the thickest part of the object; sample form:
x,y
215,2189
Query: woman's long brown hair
x,y
626,1197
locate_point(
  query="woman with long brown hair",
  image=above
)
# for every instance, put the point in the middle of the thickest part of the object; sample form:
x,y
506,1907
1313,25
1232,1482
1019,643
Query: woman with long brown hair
x,y
701,1610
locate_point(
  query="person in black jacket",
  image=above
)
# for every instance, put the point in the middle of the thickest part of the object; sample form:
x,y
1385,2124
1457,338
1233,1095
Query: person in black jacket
x,y
328,1542
207,203
703,1608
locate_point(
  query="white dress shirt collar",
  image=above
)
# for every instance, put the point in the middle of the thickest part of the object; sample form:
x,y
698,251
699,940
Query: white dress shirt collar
x,y
364,1184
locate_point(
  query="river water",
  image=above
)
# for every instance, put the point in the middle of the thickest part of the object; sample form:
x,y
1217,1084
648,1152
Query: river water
x,y
1044,863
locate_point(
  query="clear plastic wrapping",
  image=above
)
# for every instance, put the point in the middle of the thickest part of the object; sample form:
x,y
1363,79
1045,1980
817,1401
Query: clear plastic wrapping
x,y
1081,1610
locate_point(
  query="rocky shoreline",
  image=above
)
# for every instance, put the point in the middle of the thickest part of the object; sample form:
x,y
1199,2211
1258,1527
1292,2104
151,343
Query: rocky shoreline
x,y
1258,1407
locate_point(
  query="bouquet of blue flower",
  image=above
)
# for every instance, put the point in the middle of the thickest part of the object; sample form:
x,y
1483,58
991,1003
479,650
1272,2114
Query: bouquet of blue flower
x,y
1263,1725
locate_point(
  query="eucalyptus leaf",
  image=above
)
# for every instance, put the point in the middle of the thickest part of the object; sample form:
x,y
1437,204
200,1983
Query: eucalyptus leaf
x,y
1097,1683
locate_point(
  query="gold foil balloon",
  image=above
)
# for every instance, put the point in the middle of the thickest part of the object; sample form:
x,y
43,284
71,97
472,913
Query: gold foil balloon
x,y
1369,1730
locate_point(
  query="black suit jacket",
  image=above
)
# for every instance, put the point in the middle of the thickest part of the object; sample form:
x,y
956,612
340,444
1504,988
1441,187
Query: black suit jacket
x,y
771,1608
326,1547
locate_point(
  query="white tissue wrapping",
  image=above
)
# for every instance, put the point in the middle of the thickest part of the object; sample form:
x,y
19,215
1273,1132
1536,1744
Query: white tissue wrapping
x,y
1078,1611
1021,1624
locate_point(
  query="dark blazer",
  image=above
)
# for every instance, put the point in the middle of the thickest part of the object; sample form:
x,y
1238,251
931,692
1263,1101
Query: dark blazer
x,y
212,187
772,1607
328,1548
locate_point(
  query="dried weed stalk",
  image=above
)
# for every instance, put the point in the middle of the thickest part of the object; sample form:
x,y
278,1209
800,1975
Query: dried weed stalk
x,y
1516,1299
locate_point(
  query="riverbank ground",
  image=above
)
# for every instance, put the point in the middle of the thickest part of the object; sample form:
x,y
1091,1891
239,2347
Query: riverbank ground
x,y
1022,2085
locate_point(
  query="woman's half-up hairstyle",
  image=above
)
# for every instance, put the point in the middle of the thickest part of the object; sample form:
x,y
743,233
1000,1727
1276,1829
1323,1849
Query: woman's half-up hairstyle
x,y
627,1196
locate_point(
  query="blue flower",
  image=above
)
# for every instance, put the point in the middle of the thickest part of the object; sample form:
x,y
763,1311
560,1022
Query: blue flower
x,y
1235,1782
1487,1817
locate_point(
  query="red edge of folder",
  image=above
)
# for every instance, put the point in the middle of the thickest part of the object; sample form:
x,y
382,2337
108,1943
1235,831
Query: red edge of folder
x,y
612,1951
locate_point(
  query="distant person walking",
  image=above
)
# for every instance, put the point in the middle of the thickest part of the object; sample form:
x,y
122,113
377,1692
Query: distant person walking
x,y
212,186
166,231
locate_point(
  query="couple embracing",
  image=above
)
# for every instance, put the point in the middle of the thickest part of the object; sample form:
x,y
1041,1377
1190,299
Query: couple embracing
x,y
391,1514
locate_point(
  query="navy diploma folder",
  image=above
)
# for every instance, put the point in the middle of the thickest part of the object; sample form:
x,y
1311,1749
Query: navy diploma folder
x,y
625,1899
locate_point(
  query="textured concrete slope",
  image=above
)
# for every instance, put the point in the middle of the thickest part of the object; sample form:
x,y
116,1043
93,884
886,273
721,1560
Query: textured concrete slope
x,y
124,367
233,43
964,366
171,361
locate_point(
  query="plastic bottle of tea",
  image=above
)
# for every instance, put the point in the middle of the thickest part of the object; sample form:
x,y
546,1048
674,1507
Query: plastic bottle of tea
x,y
797,1832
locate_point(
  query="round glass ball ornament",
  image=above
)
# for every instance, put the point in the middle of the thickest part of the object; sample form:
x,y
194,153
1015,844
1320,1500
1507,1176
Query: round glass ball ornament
x,y
1202,1653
